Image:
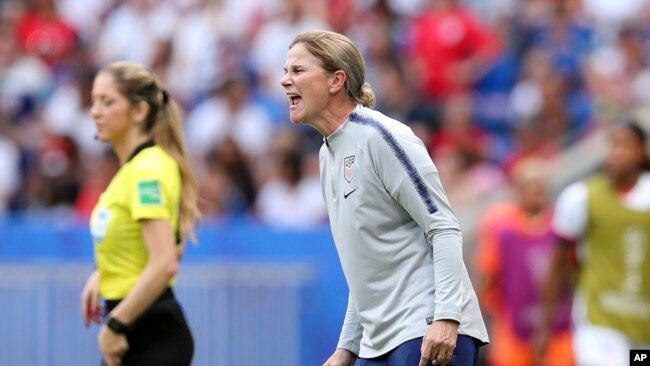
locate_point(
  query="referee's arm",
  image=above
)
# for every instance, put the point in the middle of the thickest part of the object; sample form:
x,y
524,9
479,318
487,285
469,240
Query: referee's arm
x,y
161,266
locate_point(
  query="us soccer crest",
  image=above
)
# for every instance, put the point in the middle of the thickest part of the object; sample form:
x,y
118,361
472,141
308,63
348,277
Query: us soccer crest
x,y
348,169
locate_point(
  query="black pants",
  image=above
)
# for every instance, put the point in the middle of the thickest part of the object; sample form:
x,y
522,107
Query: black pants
x,y
160,336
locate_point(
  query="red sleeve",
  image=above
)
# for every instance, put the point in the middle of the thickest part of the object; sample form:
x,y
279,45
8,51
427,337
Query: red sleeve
x,y
480,41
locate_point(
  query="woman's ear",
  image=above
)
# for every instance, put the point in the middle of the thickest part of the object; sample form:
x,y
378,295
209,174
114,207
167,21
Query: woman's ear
x,y
337,81
139,112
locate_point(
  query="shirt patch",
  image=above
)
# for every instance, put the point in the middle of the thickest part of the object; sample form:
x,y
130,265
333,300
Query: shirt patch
x,y
348,169
400,154
149,192
99,225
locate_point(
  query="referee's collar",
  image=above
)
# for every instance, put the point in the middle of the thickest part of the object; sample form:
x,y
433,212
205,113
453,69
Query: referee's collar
x,y
145,145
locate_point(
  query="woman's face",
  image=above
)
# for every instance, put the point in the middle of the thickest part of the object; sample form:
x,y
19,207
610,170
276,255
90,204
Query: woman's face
x,y
110,110
626,153
306,84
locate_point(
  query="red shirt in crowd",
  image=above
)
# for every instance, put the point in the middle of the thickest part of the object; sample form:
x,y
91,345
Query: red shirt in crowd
x,y
442,39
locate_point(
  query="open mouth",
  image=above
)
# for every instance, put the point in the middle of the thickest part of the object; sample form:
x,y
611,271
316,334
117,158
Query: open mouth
x,y
294,100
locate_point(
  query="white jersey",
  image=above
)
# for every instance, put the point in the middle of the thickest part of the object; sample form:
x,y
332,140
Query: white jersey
x,y
398,239
570,216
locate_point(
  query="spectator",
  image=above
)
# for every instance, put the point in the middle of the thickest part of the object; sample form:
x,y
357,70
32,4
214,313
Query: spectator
x,y
41,32
228,188
26,78
610,16
196,47
293,17
230,112
291,200
468,178
450,49
73,120
97,172
84,16
134,31
617,74
52,181
458,131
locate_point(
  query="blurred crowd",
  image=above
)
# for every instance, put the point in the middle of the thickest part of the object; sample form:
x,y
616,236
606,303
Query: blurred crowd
x,y
485,84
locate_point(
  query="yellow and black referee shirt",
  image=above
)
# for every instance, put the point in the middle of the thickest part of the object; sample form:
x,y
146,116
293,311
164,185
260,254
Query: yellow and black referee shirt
x,y
147,186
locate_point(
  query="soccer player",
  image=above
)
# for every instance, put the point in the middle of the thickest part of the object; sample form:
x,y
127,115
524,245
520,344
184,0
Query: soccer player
x,y
606,219
411,301
515,250
140,221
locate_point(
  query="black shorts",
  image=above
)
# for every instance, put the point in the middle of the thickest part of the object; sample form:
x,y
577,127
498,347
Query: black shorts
x,y
160,336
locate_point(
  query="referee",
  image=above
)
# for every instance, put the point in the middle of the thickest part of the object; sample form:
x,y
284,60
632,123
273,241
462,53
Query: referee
x,y
138,223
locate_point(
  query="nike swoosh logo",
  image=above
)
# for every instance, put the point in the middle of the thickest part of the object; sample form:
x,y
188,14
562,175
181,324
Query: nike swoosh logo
x,y
346,195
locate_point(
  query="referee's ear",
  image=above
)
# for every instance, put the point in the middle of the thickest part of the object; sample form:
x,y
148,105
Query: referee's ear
x,y
140,111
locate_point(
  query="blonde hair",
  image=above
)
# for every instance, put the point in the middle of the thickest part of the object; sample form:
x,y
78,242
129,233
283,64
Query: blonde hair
x,y
163,123
337,52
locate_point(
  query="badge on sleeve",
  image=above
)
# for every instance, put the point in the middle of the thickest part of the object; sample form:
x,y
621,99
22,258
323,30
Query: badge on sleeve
x,y
149,192
348,170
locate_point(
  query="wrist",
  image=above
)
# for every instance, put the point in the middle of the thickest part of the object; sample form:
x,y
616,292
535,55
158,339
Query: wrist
x,y
116,325
346,352
447,320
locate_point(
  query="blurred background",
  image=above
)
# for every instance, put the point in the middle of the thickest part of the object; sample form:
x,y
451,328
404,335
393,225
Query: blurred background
x,y
485,84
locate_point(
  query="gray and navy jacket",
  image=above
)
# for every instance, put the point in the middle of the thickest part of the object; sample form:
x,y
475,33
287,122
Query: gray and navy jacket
x,y
398,240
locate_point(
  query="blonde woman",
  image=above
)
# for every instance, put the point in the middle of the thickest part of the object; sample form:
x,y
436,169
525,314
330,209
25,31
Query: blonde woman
x,y
140,221
411,301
